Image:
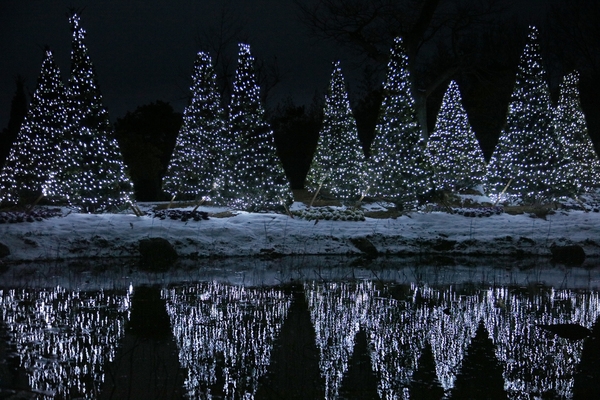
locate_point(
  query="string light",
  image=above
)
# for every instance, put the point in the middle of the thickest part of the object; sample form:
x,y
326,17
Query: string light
x,y
197,164
88,171
528,153
28,165
338,166
400,170
257,181
455,154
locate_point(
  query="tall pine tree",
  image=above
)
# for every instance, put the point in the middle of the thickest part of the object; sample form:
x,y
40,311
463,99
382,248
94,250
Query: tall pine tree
x,y
400,170
258,181
90,170
455,154
197,165
338,166
581,169
29,162
528,151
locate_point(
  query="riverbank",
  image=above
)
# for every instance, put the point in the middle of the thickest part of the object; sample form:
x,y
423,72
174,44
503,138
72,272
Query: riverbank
x,y
234,234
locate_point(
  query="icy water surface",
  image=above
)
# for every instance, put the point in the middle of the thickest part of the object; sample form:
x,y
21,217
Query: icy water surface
x,y
320,328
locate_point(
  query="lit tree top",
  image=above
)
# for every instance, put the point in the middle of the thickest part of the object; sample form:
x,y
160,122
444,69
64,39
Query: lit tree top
x,y
197,165
400,169
29,162
338,166
258,181
581,167
90,173
455,154
528,151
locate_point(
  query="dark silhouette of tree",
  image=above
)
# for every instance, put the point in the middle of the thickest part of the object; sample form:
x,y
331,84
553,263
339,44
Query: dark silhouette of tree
x,y
296,130
587,375
18,110
425,384
294,368
480,376
147,138
443,38
146,366
360,381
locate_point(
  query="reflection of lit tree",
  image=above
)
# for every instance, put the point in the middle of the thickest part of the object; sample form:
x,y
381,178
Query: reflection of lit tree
x,y
64,338
360,382
225,334
425,383
337,309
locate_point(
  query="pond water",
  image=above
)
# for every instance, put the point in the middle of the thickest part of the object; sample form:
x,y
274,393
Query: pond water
x,y
308,329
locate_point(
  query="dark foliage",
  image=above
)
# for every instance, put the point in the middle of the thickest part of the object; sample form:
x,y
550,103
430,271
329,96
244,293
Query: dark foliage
x,y
18,111
12,217
182,215
147,137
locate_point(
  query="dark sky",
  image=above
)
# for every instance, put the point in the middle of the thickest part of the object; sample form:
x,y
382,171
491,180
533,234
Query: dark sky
x,y
144,50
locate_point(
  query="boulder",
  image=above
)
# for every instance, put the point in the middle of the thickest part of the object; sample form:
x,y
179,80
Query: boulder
x,y
365,246
4,250
569,255
157,254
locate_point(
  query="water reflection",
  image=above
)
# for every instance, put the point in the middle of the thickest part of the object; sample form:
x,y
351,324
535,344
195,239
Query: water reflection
x,y
64,338
314,339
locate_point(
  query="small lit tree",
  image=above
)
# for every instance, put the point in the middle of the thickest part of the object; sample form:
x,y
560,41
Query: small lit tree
x,y
89,171
197,164
455,154
528,151
338,166
581,169
257,180
29,162
400,170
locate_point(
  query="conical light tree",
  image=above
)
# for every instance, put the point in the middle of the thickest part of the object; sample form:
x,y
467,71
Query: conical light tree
x,y
258,181
29,162
582,167
454,152
338,166
90,172
197,164
400,170
528,152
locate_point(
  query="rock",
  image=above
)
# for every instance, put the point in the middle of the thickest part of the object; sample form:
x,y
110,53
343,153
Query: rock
x,y
4,250
157,254
365,246
569,255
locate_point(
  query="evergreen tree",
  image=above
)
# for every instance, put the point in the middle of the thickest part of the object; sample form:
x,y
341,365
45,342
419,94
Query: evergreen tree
x,y
338,166
196,167
29,162
400,169
455,154
90,171
528,151
257,180
18,111
581,170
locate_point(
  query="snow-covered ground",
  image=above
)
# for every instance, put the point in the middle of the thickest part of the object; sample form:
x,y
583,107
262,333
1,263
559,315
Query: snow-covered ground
x,y
74,235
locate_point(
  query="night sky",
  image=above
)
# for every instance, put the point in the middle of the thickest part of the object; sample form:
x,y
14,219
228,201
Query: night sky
x,y
144,50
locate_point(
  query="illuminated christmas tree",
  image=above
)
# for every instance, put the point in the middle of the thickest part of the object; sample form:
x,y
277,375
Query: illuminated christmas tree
x,y
338,166
197,164
90,173
528,151
581,169
455,154
258,181
29,162
400,169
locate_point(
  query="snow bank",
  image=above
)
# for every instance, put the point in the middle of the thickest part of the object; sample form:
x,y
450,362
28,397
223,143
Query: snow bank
x,y
73,235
